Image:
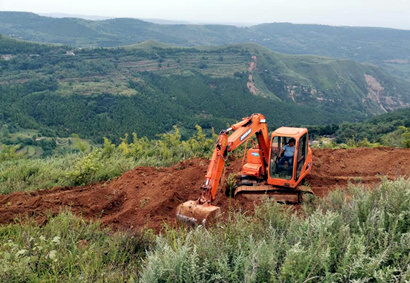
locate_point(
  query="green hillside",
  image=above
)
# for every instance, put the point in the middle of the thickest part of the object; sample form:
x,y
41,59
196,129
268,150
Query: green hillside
x,y
148,88
388,48
389,129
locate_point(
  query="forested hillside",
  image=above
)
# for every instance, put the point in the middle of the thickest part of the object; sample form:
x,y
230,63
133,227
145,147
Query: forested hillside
x,y
148,88
388,48
391,129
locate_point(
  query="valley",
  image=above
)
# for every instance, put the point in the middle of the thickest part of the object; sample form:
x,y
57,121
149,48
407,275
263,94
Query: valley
x,y
107,126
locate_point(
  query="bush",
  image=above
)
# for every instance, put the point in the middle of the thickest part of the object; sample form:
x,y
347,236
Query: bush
x,y
406,136
67,249
98,164
324,142
9,152
354,235
86,168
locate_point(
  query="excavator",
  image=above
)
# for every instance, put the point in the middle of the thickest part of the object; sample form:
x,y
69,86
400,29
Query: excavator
x,y
266,170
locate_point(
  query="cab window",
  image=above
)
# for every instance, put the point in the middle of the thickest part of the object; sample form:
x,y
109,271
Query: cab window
x,y
281,166
302,153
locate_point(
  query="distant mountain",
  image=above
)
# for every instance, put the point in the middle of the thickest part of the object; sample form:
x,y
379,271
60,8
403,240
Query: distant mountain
x,y
149,87
388,48
64,15
99,18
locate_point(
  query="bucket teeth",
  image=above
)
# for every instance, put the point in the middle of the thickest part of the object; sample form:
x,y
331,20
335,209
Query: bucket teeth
x,y
189,220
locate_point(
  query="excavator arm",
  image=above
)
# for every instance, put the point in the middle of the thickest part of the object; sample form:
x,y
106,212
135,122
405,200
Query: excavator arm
x,y
241,132
200,210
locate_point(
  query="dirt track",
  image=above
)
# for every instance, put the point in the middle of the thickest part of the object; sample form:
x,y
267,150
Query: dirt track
x,y
147,196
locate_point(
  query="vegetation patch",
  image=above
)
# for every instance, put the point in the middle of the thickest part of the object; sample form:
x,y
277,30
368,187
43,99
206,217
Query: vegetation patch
x,y
354,234
67,249
351,235
93,164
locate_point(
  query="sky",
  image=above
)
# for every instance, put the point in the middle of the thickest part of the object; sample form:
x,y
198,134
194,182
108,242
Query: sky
x,y
377,13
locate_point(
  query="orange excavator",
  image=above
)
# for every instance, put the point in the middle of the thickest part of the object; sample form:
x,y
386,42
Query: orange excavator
x,y
274,166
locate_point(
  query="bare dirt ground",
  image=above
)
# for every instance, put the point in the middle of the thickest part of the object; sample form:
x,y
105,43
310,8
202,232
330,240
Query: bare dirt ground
x,y
148,196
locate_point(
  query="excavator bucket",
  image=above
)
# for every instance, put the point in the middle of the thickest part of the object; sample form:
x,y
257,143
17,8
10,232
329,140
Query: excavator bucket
x,y
193,213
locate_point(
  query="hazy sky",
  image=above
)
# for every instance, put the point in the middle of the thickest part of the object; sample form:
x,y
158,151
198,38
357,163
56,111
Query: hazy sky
x,y
380,13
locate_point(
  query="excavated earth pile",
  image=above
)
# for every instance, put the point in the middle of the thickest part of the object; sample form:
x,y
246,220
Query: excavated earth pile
x,y
148,196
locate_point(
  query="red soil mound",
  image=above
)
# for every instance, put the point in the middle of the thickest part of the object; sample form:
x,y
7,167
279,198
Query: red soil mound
x,y
148,196
334,168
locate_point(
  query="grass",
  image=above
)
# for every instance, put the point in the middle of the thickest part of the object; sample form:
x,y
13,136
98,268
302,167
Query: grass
x,y
90,88
324,142
353,235
363,238
34,174
67,249
97,164
22,134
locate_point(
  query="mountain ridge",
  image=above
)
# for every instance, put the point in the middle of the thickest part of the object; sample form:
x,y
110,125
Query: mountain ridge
x,y
386,47
150,87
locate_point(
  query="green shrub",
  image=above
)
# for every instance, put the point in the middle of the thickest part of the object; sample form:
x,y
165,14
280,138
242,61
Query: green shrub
x,y
355,234
86,168
352,235
9,152
99,164
406,136
324,142
67,249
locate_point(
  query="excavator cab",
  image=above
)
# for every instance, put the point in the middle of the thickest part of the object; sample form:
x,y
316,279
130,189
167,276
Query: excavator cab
x,y
284,174
284,171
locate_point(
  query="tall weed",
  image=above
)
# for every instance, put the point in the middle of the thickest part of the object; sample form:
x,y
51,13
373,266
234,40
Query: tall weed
x,y
355,235
67,249
98,164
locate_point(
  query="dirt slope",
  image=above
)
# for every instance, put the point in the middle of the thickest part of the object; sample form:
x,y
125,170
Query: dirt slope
x,y
148,196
